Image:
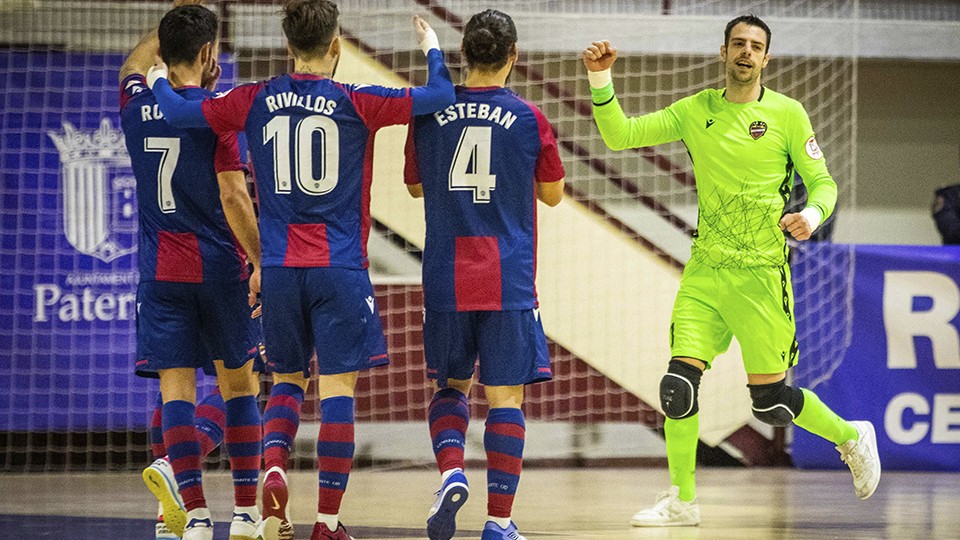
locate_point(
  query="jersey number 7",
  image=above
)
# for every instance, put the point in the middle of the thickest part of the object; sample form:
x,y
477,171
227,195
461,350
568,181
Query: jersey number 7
x,y
470,168
315,128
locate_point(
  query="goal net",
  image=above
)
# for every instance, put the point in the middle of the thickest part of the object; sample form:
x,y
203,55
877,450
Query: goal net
x,y
68,238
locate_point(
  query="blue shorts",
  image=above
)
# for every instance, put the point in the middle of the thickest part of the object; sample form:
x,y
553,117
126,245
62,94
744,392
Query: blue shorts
x,y
510,345
189,325
330,310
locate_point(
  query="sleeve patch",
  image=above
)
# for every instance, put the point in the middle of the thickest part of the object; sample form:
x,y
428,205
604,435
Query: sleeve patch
x,y
813,149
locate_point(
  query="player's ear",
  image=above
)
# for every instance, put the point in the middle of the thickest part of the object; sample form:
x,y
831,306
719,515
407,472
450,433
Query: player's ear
x,y
766,58
514,54
723,53
206,52
334,50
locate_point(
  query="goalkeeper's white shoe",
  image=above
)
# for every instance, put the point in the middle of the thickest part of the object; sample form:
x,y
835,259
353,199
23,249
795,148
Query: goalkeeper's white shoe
x,y
160,480
863,459
669,511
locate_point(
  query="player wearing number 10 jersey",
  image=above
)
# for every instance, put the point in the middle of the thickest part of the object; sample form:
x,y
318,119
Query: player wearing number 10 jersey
x,y
480,165
311,141
192,298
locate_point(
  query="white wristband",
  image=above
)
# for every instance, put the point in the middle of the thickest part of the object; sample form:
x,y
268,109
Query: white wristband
x,y
154,73
429,41
599,79
813,217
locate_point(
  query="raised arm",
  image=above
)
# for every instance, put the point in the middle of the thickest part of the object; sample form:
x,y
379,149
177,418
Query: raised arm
x,y
438,92
177,111
142,56
618,131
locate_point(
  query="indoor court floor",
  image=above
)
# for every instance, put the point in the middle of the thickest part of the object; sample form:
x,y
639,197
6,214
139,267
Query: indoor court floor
x,y
552,503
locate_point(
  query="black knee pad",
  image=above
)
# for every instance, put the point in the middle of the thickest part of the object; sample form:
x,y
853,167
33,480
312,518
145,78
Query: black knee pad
x,y
776,404
678,390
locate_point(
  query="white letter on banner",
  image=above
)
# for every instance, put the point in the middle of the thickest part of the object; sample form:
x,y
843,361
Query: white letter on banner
x,y
946,419
893,419
903,324
44,296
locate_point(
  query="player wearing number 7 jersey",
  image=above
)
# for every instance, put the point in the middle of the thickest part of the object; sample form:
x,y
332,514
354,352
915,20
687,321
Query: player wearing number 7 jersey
x,y
192,297
480,165
311,139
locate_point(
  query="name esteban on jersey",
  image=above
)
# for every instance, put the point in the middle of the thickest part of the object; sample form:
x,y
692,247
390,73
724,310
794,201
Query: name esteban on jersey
x,y
480,111
284,100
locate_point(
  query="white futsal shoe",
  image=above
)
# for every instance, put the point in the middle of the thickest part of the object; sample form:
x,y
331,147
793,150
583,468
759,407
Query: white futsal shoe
x,y
669,511
161,482
863,459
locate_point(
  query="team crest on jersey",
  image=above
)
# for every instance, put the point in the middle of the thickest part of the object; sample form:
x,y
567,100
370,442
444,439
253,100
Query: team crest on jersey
x,y
757,129
98,190
813,149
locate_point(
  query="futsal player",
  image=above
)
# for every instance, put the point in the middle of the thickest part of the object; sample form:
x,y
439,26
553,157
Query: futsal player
x,y
311,140
193,291
480,166
745,141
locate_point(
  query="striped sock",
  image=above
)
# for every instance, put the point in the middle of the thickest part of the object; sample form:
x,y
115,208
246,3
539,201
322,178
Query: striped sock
x,y
503,441
281,419
243,437
334,451
156,430
449,417
180,438
211,421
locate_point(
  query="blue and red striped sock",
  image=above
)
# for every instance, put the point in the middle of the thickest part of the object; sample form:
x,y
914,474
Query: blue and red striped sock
x,y
281,419
334,452
180,438
244,436
210,415
156,430
503,441
449,417
211,421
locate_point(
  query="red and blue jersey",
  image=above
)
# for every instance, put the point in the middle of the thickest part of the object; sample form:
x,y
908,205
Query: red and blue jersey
x,y
478,161
311,143
184,236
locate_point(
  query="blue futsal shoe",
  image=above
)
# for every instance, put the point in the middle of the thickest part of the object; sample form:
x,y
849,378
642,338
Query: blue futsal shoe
x,y
492,531
442,519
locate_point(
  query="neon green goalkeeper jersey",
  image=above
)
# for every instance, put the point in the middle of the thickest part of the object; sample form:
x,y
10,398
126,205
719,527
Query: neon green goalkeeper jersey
x,y
744,156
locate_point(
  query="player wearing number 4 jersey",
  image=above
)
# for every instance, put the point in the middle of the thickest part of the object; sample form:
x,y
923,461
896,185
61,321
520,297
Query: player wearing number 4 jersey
x,y
192,298
745,141
311,140
480,166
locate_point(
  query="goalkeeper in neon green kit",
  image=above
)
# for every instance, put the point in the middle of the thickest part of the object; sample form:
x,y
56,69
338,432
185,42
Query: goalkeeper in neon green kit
x,y
745,142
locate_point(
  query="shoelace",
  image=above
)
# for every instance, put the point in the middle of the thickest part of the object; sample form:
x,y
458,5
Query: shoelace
x,y
663,501
286,531
854,460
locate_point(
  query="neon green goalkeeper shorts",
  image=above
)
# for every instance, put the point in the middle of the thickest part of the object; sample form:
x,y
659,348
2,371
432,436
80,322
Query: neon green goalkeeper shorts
x,y
754,304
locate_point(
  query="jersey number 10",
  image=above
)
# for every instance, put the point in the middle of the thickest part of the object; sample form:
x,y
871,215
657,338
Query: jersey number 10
x,y
470,168
328,135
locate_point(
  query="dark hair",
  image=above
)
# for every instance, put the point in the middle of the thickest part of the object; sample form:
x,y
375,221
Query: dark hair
x,y
489,39
310,25
184,31
751,20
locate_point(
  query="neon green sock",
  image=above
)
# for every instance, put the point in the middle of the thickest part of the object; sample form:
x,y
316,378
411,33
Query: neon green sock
x,y
818,419
682,436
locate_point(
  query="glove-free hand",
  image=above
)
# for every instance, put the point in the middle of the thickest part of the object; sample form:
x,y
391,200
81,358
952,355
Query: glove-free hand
x,y
426,36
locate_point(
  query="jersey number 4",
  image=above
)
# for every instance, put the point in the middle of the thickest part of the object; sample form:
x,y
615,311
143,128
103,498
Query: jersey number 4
x,y
470,168
312,178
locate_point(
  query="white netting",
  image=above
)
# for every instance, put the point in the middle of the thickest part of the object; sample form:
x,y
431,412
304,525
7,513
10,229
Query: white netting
x,y
64,403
